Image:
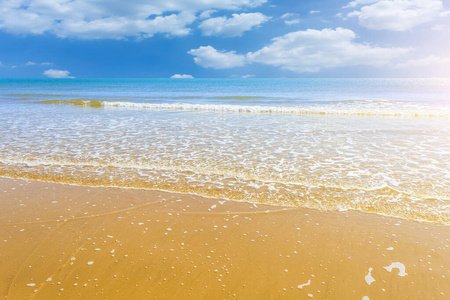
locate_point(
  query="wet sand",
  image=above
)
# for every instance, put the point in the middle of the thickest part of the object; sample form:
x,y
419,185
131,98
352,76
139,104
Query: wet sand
x,y
71,242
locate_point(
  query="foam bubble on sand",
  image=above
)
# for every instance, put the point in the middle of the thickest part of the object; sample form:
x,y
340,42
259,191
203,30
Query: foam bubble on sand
x,y
365,298
90,263
222,202
369,279
390,248
399,266
305,284
31,284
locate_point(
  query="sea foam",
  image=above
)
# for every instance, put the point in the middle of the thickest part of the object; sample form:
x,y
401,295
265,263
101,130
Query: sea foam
x,y
378,109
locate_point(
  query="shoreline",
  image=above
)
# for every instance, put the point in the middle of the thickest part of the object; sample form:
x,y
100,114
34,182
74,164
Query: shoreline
x,y
438,219
92,242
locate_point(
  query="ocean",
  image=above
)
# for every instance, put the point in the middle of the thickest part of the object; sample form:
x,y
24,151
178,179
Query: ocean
x,y
379,146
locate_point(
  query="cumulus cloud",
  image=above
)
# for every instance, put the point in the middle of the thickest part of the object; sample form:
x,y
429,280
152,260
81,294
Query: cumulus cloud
x,y
207,14
53,73
181,76
119,27
305,51
397,15
30,63
208,57
234,26
313,50
96,19
430,61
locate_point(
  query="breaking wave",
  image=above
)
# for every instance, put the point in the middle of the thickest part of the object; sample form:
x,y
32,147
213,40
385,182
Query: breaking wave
x,y
345,108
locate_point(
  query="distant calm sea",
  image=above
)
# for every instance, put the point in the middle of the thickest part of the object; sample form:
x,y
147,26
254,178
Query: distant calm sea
x,y
373,145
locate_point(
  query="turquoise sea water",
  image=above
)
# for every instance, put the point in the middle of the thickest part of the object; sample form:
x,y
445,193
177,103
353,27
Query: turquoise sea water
x,y
374,145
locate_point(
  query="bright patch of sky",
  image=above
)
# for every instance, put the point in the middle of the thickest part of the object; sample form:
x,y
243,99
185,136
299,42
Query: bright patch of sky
x,y
224,38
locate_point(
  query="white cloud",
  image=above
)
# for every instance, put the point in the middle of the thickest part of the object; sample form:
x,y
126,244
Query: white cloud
x,y
206,14
304,51
397,15
438,27
234,26
53,73
32,63
313,50
119,27
430,61
292,22
314,12
248,76
181,76
289,15
96,19
208,57
291,19
360,2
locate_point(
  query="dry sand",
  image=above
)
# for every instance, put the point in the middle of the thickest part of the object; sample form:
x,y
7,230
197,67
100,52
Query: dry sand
x,y
70,242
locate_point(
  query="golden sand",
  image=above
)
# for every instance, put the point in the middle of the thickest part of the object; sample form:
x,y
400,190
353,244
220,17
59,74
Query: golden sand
x,y
72,242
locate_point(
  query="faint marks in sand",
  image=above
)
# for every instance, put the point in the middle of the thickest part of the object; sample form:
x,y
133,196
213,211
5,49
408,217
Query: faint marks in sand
x,y
110,213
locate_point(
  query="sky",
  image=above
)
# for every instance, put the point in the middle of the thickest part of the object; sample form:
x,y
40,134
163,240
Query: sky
x,y
224,38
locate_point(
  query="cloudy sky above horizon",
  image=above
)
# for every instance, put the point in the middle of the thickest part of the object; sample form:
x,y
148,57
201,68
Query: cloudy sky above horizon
x,y
224,38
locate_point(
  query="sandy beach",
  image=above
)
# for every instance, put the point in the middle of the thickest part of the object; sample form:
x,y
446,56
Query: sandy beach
x,y
225,149
87,243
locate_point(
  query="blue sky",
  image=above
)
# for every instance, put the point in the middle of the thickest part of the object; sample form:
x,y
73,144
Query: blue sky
x,y
224,38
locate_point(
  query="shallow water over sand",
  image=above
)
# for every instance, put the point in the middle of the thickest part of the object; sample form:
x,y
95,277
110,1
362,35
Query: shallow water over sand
x,y
373,146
